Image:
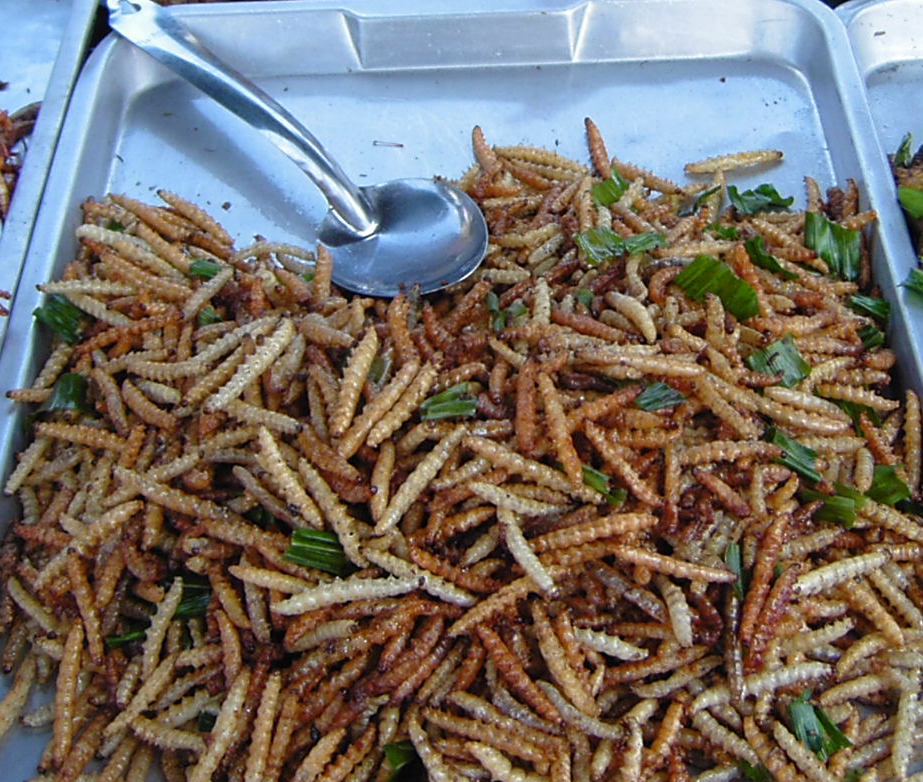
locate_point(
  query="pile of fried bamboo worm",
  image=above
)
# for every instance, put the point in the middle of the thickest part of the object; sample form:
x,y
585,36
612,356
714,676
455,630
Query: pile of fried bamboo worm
x,y
569,527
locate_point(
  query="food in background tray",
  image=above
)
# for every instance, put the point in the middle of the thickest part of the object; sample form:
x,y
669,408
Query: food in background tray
x,y
13,129
637,498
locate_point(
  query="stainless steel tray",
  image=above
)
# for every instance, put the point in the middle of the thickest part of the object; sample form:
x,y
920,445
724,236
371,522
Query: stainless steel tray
x,y
393,88
43,52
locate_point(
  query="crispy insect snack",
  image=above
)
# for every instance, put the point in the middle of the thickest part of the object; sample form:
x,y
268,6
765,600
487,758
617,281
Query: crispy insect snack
x,y
636,501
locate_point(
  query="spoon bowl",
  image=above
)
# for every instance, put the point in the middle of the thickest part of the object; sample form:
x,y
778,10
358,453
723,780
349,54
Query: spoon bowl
x,y
384,238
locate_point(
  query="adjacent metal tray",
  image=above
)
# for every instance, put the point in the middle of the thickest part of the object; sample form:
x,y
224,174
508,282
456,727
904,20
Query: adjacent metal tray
x,y
393,88
44,52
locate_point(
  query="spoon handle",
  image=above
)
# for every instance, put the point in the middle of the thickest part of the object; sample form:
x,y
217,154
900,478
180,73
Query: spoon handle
x,y
159,34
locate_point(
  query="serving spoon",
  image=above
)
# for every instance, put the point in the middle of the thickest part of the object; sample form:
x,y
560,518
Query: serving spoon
x,y
384,238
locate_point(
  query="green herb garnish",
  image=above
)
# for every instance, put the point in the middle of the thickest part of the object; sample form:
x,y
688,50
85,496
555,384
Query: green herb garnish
x,y
699,201
887,487
815,729
585,297
62,317
404,762
764,198
796,456
118,641
904,155
783,359
208,315
610,190
657,396
197,593
755,773
599,481
69,393
880,309
709,275
840,508
723,231
871,337
200,267
600,245
316,549
911,200
734,561
450,403
914,281
115,225
839,247
760,256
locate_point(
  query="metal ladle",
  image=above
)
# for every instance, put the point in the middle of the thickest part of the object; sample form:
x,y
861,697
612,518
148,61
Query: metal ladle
x,y
384,238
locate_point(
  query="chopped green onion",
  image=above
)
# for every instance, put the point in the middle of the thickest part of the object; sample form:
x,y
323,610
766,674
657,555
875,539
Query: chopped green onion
x,y
764,198
709,275
117,641
871,337
734,561
887,487
911,200
723,231
69,393
203,268
838,246
880,309
904,155
657,396
62,317
208,315
760,256
914,281
796,456
585,297
781,358
316,549
815,729
599,481
610,190
600,245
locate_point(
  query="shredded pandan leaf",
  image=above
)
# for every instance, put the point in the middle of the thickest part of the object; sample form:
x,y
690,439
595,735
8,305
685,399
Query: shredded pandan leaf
x,y
760,256
657,396
871,337
734,561
600,245
914,281
599,481
796,456
450,403
201,267
783,359
764,198
904,155
887,486
69,393
709,275
62,317
877,308
316,549
911,200
839,247
208,315
196,596
610,190
815,729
